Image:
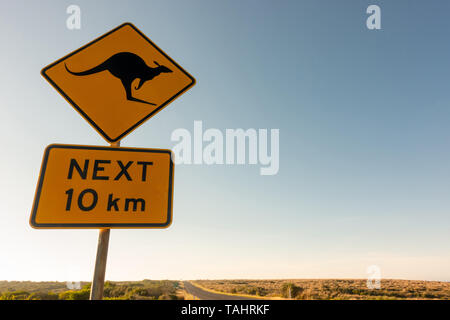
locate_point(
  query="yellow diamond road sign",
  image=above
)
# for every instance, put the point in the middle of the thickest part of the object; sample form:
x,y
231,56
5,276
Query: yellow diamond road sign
x,y
118,81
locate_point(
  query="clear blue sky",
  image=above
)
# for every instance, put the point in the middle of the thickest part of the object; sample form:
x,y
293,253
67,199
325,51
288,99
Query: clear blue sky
x,y
364,140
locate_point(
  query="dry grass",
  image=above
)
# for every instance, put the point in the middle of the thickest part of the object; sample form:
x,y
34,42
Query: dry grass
x,y
336,289
122,290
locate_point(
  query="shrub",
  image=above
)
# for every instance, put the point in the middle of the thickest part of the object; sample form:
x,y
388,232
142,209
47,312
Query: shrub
x,y
82,294
15,295
43,296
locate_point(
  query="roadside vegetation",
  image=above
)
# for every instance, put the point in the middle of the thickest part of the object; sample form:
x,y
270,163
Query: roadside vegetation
x,y
137,290
331,289
305,289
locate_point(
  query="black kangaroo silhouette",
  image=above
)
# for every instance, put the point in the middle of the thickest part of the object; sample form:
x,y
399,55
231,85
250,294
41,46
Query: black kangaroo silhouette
x,y
127,67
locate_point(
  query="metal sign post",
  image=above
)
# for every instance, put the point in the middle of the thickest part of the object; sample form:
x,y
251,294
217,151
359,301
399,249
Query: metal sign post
x,y
100,265
98,281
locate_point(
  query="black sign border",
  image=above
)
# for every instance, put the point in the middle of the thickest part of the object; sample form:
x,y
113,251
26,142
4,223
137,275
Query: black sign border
x,y
36,225
85,116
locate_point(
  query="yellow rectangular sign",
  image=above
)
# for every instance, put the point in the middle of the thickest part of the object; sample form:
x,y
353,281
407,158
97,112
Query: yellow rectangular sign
x,y
103,187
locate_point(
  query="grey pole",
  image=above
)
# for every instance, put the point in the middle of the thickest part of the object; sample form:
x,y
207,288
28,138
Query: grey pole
x,y
98,281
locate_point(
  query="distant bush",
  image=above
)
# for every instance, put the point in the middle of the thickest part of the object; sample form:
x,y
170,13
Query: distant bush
x,y
82,294
43,296
15,295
